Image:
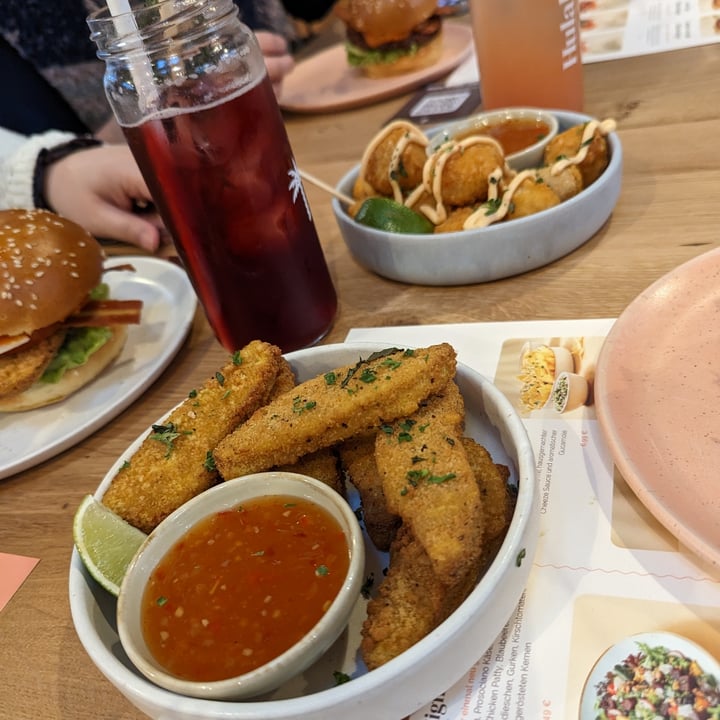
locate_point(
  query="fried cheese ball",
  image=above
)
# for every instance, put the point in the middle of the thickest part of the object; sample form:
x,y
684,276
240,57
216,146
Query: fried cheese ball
x,y
531,197
567,144
455,220
409,173
565,184
465,176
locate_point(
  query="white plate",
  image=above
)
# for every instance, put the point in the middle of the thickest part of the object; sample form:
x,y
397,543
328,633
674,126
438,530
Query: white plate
x,y
402,685
629,646
29,438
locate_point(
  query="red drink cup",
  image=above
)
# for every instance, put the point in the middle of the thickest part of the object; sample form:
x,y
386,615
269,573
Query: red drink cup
x,y
210,142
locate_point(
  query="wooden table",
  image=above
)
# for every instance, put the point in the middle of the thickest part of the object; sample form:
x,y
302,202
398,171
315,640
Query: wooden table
x,y
667,109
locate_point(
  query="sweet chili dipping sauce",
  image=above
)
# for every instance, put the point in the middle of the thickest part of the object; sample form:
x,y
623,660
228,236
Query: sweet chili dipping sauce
x,y
513,134
243,586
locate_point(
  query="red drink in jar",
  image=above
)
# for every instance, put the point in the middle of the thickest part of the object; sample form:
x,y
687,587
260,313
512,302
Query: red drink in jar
x,y
226,185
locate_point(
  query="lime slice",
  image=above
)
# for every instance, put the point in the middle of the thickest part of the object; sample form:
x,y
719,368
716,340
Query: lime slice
x,y
386,214
105,542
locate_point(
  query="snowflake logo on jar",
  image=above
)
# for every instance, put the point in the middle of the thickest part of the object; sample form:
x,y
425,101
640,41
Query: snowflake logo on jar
x,y
296,187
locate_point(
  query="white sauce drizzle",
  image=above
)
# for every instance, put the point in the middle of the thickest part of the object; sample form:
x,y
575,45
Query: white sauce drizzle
x,y
433,170
605,127
411,134
485,216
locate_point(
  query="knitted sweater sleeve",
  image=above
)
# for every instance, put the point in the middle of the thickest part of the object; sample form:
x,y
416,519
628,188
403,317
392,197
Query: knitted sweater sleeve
x,y
17,165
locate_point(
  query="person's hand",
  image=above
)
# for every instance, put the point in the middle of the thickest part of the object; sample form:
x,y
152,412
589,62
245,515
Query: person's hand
x,y
97,188
277,56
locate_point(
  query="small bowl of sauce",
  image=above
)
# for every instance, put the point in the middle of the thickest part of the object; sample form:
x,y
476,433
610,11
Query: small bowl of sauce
x,y
523,133
243,587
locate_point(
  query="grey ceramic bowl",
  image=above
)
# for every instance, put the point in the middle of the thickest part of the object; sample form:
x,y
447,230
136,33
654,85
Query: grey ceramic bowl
x,y
490,253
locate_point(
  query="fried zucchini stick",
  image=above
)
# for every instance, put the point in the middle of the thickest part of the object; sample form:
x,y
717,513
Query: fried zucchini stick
x,y
428,482
335,406
173,465
357,457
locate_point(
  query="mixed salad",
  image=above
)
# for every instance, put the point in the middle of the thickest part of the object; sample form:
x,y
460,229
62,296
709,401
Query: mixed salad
x,y
657,683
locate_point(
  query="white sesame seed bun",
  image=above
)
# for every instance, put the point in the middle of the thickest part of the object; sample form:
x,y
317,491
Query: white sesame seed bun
x,y
48,265
41,394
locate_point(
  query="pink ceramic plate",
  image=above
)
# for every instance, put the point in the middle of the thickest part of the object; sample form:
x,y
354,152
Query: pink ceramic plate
x,y
325,82
657,398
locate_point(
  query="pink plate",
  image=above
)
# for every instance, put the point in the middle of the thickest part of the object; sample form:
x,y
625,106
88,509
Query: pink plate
x,y
657,393
325,82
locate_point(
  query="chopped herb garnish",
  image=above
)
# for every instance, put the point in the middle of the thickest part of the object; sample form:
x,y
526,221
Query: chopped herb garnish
x,y
209,463
404,437
125,465
192,394
492,206
220,378
321,570
340,677
387,429
300,405
368,375
167,434
415,475
237,358
161,601
257,553
439,479
330,378
520,557
226,393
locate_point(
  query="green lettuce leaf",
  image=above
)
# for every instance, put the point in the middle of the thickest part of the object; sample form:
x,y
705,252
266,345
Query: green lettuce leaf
x,y
357,57
80,343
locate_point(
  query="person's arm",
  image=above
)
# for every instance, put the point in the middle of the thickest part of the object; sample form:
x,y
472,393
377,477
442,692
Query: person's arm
x,y
92,184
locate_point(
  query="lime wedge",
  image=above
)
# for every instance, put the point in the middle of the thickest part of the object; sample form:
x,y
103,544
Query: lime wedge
x,y
105,542
386,214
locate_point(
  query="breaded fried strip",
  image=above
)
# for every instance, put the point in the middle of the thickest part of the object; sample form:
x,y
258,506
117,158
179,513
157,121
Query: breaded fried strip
x,y
335,406
170,467
407,604
357,457
285,380
498,500
410,602
322,465
428,482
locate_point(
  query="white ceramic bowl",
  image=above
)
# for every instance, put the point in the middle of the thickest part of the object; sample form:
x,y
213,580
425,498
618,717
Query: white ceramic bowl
x,y
490,253
407,682
529,157
226,496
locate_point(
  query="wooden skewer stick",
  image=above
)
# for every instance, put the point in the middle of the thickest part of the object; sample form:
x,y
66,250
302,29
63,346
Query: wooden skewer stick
x,y
327,188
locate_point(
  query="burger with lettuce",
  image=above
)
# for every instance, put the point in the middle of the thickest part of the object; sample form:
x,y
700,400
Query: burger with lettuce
x,y
391,37
59,329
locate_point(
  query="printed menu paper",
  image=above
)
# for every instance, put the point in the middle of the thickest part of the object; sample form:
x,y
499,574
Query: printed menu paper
x,y
605,570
